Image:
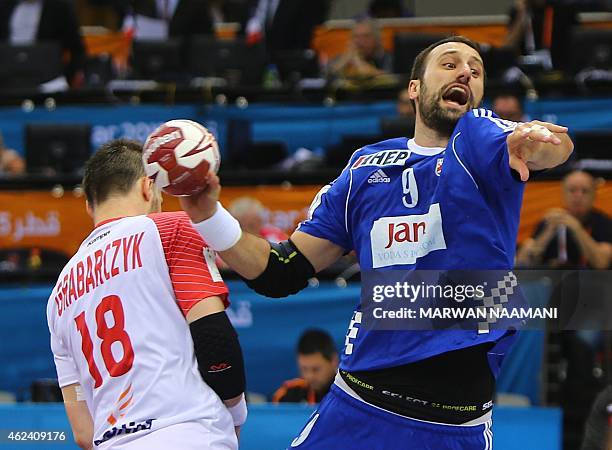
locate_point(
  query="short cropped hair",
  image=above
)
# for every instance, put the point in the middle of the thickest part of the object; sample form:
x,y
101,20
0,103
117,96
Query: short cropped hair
x,y
317,341
113,169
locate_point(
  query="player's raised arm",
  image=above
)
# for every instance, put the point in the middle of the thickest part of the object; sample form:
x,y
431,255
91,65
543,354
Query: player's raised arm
x,y
538,145
275,270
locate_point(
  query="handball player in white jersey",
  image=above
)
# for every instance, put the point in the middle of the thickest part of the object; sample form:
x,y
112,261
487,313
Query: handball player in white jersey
x,y
146,357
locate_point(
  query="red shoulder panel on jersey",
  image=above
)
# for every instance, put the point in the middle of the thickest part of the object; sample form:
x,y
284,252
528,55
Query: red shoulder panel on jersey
x,y
184,251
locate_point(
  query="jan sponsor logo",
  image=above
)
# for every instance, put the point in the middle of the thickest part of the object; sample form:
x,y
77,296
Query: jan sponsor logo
x,y
404,239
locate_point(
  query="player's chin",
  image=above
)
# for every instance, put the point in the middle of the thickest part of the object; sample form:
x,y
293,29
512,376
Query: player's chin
x,y
454,113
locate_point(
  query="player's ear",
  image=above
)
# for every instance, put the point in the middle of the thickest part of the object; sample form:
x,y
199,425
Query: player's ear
x,y
414,88
146,188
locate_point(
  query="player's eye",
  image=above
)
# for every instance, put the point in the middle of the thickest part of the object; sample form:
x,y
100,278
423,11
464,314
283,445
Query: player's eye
x,y
475,73
449,65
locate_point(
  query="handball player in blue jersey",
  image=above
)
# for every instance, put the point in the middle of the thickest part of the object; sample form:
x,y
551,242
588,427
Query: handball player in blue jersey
x,y
448,199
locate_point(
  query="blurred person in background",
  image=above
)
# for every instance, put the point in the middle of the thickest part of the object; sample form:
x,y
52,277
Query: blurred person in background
x,y
161,19
103,13
598,429
224,11
317,360
365,56
577,236
403,105
539,28
250,213
385,9
509,107
10,161
286,24
403,123
24,22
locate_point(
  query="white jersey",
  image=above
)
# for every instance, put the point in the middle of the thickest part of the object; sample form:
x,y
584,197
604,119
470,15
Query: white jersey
x,y
118,328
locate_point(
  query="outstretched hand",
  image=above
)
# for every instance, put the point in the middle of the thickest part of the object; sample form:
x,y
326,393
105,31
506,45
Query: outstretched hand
x,y
538,145
203,205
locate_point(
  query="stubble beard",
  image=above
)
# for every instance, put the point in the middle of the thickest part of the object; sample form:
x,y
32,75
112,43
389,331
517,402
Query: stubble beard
x,y
434,116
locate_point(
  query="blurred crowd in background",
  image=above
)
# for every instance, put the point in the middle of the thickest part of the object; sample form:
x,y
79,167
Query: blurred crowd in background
x,y
78,46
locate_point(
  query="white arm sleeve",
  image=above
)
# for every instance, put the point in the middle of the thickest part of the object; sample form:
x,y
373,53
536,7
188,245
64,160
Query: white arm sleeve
x,y
67,372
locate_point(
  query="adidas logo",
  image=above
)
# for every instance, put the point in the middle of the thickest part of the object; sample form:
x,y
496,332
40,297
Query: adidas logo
x,y
379,177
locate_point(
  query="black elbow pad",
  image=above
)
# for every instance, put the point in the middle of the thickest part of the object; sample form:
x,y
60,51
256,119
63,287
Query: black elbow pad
x,y
219,355
287,272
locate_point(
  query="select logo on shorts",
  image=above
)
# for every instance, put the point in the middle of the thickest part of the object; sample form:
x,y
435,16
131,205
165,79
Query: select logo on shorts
x,y
379,177
129,428
382,158
403,239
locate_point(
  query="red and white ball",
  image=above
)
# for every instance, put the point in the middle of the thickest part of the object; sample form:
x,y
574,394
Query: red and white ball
x,y
179,155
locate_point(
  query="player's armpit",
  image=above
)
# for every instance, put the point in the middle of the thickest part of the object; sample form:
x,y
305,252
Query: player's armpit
x,y
320,252
205,307
78,416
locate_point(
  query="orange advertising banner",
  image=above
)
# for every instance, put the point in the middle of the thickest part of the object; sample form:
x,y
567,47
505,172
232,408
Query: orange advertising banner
x,y
43,220
46,219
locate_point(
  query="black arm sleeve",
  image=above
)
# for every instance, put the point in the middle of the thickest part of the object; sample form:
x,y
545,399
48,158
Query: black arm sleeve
x,y
287,272
219,356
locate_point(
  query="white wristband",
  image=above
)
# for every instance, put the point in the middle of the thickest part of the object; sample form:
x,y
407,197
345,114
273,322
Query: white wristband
x,y
221,231
239,412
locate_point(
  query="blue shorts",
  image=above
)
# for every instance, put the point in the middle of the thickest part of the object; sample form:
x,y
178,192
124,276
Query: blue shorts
x,y
343,422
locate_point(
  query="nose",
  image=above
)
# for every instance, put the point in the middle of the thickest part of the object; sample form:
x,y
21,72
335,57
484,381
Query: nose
x,y
464,74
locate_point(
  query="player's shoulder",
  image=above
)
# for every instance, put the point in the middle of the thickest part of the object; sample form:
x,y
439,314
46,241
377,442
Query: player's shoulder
x,y
485,118
400,143
173,219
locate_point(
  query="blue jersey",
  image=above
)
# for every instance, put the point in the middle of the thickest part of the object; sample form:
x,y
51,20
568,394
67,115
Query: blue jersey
x,y
403,206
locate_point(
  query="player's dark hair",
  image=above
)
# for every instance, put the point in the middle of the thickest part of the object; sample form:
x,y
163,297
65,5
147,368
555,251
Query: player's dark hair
x,y
317,341
113,169
420,62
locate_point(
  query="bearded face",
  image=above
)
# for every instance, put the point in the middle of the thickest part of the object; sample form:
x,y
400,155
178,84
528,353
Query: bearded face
x,y
451,84
441,110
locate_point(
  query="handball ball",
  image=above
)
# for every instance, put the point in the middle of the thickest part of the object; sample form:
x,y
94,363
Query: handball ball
x,y
179,155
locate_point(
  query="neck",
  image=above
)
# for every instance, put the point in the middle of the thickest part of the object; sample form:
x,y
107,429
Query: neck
x,y
428,137
118,207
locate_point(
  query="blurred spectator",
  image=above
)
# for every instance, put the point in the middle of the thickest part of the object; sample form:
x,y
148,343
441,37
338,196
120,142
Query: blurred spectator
x,y
385,8
598,429
577,236
103,13
29,21
365,56
10,161
404,105
403,123
223,11
509,107
160,19
286,24
540,29
250,213
317,359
